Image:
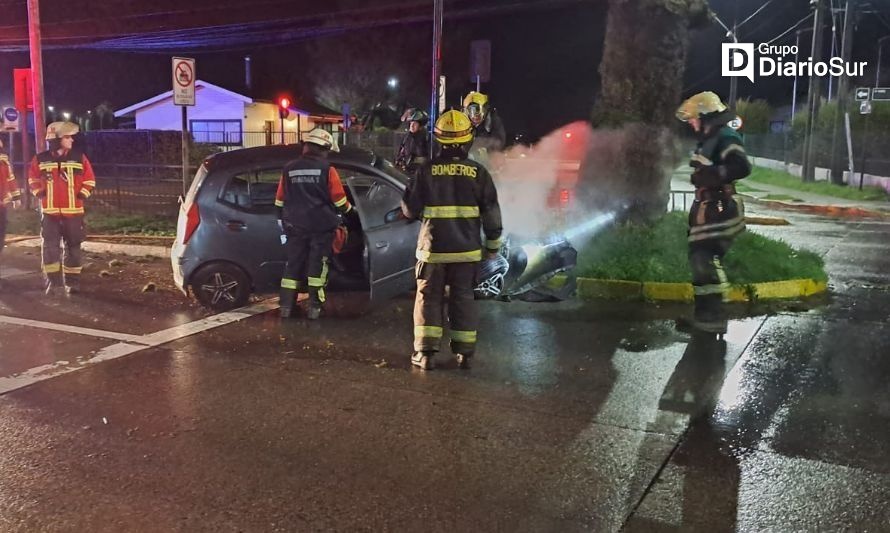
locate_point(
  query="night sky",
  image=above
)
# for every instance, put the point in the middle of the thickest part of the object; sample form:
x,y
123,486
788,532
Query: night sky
x,y
544,55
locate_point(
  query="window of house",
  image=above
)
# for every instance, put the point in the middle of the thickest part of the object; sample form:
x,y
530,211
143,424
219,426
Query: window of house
x,y
219,132
254,189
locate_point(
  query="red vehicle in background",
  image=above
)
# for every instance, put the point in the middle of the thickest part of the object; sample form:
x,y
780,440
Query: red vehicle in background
x,y
541,181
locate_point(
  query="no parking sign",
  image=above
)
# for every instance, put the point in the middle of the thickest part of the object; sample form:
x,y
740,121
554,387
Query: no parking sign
x,y
10,119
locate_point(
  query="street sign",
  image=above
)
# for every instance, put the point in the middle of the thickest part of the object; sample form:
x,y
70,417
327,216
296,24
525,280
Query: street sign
x,y
864,108
736,123
880,93
862,94
441,94
480,61
10,119
183,81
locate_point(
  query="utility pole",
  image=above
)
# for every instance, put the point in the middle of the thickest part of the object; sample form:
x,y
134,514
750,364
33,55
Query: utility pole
x,y
733,81
36,76
813,96
843,97
438,15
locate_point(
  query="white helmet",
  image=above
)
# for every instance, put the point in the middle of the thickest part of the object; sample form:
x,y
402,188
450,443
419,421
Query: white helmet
x,y
322,138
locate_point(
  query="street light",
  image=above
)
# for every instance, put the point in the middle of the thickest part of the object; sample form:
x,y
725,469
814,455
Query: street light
x,y
880,49
51,108
66,115
392,83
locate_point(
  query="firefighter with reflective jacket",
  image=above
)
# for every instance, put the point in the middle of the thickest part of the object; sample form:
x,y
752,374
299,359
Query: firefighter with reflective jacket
x,y
456,200
9,194
309,196
62,178
415,148
488,130
717,215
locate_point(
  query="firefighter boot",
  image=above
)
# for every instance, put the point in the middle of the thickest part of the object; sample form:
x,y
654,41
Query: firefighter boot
x,y
53,284
423,360
287,300
463,360
72,283
314,311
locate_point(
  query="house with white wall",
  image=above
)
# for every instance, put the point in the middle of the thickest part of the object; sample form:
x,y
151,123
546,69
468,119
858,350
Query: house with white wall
x,y
229,119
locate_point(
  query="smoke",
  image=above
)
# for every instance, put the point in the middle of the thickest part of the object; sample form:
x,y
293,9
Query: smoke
x,y
577,180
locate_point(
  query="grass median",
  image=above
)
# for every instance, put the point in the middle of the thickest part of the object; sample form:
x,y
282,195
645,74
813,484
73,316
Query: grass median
x,y
27,222
659,253
783,179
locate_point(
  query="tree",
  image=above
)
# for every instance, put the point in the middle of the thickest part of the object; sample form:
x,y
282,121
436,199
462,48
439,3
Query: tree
x,y
104,116
642,72
755,115
354,69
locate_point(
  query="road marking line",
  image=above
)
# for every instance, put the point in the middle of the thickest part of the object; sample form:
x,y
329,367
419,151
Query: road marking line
x,y
58,368
215,321
73,329
121,349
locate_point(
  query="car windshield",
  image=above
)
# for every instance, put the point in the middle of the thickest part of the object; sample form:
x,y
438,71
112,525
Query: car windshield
x,y
391,170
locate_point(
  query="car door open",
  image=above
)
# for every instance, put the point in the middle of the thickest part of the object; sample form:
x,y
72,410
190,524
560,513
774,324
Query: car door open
x,y
390,240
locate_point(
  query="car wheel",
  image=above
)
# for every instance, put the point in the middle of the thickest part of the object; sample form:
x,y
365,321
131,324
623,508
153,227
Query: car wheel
x,y
221,286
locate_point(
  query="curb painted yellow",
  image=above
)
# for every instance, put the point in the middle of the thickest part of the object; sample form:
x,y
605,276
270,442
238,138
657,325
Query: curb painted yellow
x,y
766,221
653,290
596,289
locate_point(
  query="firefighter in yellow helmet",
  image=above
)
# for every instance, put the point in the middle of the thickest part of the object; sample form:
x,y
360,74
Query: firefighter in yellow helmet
x,y
456,200
62,178
717,215
488,129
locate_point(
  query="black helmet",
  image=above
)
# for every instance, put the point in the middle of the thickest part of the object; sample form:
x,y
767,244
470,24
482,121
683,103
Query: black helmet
x,y
416,115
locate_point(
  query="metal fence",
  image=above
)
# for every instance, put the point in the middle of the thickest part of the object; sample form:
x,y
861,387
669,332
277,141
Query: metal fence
x,y
869,151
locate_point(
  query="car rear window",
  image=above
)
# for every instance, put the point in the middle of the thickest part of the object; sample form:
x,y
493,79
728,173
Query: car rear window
x,y
253,189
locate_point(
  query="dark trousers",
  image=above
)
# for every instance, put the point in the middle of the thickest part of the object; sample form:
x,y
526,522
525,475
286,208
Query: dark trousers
x,y
307,266
708,278
429,304
56,230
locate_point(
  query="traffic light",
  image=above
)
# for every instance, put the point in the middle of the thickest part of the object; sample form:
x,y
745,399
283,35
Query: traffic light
x,y
283,107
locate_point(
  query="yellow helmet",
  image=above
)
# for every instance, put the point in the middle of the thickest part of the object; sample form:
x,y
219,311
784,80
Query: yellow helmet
x,y
700,104
57,130
476,106
453,127
475,98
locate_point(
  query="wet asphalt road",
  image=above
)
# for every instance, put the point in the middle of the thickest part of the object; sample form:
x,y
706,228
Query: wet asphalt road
x,y
574,417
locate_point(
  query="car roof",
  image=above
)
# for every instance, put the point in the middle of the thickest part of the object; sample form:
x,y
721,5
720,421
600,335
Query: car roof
x,y
247,156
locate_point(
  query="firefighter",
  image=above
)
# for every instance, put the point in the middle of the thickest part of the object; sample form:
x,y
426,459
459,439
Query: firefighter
x,y
309,196
415,148
488,130
62,178
717,215
456,200
9,194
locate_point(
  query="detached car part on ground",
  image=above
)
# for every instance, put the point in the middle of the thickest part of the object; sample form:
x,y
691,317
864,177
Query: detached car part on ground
x,y
228,243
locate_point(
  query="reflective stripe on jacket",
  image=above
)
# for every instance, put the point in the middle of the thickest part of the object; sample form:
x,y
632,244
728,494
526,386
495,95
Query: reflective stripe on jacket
x,y
309,195
62,182
9,189
457,201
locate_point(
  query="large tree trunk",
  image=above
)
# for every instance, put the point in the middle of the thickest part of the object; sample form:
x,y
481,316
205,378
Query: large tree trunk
x,y
642,81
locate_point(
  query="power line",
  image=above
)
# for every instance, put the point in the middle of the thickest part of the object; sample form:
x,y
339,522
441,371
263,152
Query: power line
x,y
761,8
789,30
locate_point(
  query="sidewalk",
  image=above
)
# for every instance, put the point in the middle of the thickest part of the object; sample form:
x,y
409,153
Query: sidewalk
x,y
803,201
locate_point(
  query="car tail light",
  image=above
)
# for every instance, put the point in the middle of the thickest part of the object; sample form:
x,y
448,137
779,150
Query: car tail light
x,y
192,220
565,196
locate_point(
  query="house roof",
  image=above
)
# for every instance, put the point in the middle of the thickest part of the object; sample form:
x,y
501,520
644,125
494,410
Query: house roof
x,y
309,109
199,84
